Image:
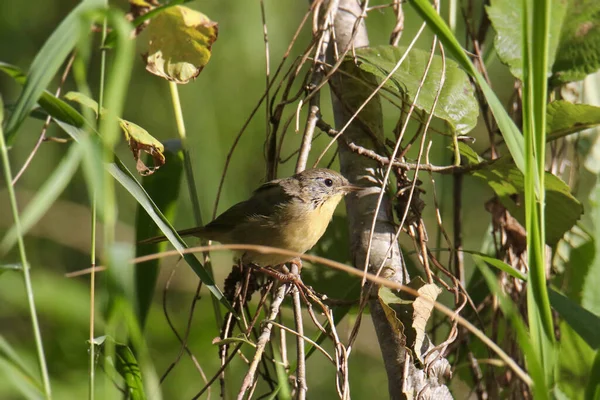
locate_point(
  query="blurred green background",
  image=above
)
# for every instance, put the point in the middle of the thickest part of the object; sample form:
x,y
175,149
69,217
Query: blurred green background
x,y
215,108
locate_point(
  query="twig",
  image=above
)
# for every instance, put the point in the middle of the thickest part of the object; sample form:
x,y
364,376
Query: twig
x,y
301,355
445,169
342,267
42,137
182,341
248,381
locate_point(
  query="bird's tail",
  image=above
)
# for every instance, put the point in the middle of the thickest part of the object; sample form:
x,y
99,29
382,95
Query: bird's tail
x,y
186,232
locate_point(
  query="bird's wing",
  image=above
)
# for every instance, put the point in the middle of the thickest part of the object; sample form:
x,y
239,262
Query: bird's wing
x,y
264,203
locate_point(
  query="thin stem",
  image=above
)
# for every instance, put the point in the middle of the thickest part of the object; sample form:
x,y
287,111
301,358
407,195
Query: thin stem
x,y
28,286
189,175
92,366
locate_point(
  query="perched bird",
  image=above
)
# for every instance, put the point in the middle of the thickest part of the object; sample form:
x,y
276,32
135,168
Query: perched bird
x,y
290,213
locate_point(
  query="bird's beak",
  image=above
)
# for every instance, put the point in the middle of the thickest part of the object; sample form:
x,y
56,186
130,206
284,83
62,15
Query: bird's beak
x,y
351,188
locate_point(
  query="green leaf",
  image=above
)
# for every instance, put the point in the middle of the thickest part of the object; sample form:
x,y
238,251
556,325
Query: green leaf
x,y
45,196
501,265
579,263
579,48
126,365
75,125
10,267
511,134
180,43
562,209
564,118
523,337
163,189
581,320
16,369
137,137
47,62
506,17
575,360
456,105
592,391
590,296
585,323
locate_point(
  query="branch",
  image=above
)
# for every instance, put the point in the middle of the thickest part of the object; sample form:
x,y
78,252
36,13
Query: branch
x,y
350,32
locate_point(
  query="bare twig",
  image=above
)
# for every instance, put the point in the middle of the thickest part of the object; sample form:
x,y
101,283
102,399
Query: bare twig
x,y
248,381
341,267
42,137
301,356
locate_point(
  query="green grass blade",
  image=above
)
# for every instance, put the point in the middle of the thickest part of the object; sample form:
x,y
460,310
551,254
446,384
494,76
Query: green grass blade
x,y
123,176
510,132
162,187
584,322
45,196
592,390
23,379
535,26
47,62
73,123
534,368
23,256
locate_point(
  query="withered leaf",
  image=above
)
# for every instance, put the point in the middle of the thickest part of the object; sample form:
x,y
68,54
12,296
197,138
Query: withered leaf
x,y
180,42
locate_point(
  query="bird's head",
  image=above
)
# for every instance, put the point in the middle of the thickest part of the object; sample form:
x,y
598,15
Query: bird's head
x,y
322,185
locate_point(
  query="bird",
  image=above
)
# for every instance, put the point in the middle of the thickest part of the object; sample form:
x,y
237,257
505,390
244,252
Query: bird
x,y
290,213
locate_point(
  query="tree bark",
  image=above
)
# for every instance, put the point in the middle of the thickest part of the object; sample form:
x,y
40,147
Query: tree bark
x,y
366,130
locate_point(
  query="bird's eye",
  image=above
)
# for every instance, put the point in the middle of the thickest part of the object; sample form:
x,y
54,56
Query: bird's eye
x,y
328,182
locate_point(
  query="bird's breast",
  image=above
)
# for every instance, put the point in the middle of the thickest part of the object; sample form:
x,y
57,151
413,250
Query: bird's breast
x,y
306,225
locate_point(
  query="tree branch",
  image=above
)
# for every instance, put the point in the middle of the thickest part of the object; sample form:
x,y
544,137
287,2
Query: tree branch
x,y
348,96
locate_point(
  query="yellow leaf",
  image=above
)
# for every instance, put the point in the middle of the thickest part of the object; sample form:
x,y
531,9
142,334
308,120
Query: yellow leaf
x,y
180,41
137,137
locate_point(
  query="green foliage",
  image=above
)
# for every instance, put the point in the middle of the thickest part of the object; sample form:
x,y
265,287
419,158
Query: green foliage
x,y
565,118
163,189
125,364
45,197
563,210
507,17
13,366
47,62
511,134
456,104
579,48
585,323
590,297
574,363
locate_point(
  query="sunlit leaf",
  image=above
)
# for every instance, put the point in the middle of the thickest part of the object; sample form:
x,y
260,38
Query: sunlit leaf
x,y
15,367
511,134
456,104
180,42
506,17
137,137
506,180
502,266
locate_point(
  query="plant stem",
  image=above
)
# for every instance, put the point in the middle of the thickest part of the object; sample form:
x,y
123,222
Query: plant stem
x,y
25,265
191,182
